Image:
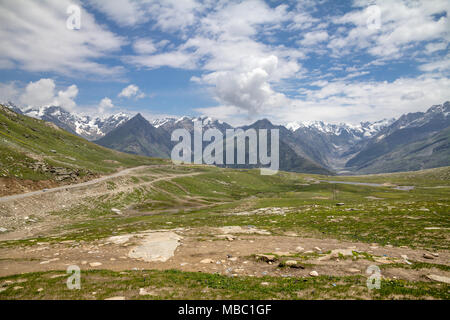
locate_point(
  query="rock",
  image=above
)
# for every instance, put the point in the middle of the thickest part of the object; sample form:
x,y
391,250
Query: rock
x,y
299,249
313,274
317,249
3,229
438,278
40,289
207,261
265,283
266,257
155,246
116,211
228,237
340,204
95,264
293,264
116,298
233,259
428,256
336,253
290,262
144,292
435,254
17,288
383,260
282,253
353,270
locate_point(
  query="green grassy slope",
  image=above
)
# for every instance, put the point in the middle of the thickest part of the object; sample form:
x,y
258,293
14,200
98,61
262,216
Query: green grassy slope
x,y
31,149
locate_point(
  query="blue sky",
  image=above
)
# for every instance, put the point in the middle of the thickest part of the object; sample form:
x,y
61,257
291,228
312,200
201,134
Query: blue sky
x,y
337,61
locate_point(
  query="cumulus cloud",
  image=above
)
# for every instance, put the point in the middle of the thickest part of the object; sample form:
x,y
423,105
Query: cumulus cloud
x,y
105,105
42,93
131,91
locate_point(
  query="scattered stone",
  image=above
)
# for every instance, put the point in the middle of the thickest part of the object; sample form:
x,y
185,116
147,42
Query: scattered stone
x,y
317,249
233,259
265,283
115,298
3,229
314,274
156,246
340,204
433,228
40,289
144,292
239,229
336,253
282,254
95,264
293,264
228,237
116,211
383,260
438,278
428,256
207,261
266,257
299,249
353,270
17,288
435,254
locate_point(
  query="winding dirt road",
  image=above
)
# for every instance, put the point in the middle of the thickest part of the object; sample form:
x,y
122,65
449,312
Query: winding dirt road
x,y
72,186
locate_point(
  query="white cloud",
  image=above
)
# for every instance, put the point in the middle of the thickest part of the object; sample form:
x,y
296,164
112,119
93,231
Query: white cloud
x,y
34,38
144,46
124,12
131,91
435,46
312,38
168,15
105,105
42,93
441,65
8,92
403,24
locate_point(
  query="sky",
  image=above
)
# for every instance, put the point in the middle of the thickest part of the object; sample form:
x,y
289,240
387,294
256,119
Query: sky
x,y
237,61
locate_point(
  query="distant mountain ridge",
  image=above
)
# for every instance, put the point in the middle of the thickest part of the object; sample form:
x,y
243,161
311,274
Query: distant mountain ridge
x,y
320,146
90,128
410,129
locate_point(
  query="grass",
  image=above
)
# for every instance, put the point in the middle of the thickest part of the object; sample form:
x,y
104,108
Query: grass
x,y
174,284
206,200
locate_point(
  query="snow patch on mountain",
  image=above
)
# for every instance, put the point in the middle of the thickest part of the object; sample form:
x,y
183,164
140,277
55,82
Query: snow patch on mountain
x,y
362,130
90,128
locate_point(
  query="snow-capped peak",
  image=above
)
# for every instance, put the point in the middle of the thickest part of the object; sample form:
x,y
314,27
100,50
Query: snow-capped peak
x,y
366,129
88,127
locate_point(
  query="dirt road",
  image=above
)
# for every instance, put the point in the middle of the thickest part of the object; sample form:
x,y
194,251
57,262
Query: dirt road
x,y
72,186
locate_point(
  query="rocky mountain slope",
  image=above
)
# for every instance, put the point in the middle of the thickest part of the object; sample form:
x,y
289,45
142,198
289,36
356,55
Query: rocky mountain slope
x,y
90,128
416,140
35,154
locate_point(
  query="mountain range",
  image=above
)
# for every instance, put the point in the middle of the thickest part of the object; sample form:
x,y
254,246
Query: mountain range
x,y
413,141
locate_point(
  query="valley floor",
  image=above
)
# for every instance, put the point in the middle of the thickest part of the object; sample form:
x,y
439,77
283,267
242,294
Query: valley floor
x,y
200,232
